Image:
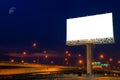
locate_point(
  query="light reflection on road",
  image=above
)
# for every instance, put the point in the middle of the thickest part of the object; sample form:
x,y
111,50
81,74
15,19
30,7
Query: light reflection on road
x,y
83,78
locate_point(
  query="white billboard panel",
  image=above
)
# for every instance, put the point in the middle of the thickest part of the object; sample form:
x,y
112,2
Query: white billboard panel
x,y
96,29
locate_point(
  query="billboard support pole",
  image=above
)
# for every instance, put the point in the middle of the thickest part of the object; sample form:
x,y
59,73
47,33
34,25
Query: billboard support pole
x,y
89,58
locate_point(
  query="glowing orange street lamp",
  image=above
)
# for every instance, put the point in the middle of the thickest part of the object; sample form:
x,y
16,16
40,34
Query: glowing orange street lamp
x,y
92,63
80,61
34,44
22,61
46,56
69,54
24,53
34,61
101,56
66,52
110,59
51,62
66,59
45,52
79,55
118,61
12,60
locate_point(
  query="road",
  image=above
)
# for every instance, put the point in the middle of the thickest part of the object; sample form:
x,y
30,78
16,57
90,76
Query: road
x,y
81,78
18,68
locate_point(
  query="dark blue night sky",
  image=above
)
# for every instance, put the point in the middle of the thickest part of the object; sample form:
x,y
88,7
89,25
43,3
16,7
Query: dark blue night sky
x,y
44,21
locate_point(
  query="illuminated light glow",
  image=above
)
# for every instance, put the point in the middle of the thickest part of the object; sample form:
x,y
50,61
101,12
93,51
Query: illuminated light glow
x,y
110,59
34,44
118,61
24,53
106,65
12,60
97,67
45,52
92,63
34,61
66,59
69,54
22,61
101,56
66,52
96,29
46,56
51,62
80,61
79,55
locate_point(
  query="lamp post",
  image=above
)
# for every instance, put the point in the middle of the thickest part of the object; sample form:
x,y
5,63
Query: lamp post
x,y
45,57
23,54
110,60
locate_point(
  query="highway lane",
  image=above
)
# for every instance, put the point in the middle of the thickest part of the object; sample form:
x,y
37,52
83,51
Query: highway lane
x,y
18,68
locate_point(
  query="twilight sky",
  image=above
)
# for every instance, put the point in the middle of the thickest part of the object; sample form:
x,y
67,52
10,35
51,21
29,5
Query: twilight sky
x,y
23,22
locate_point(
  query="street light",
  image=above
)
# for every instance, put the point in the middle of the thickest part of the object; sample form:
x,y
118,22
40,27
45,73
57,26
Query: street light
x,y
69,54
110,59
34,61
92,63
79,55
44,51
12,60
22,61
66,52
23,54
118,61
51,62
46,56
34,44
65,59
80,61
101,56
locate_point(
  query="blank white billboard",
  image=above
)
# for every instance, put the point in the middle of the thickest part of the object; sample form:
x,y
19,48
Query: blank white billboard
x,y
96,29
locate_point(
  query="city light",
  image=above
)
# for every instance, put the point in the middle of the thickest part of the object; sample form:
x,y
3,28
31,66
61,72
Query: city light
x,y
101,56
92,63
110,59
22,61
12,60
66,52
118,61
24,53
34,61
80,61
69,55
65,59
45,51
79,55
51,62
34,44
46,56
